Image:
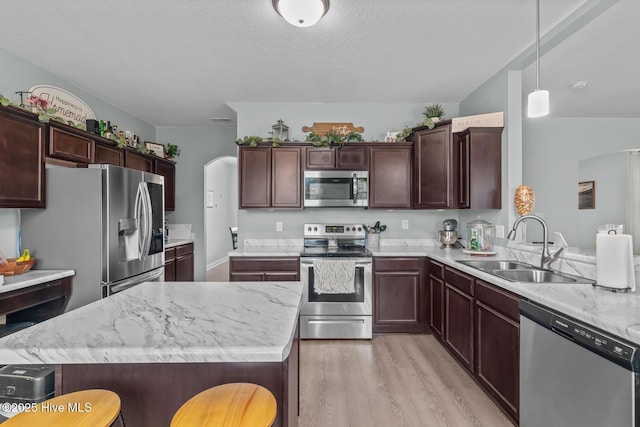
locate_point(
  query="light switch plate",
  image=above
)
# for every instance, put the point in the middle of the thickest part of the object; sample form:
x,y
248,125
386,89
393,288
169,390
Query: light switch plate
x,y
500,231
278,225
405,224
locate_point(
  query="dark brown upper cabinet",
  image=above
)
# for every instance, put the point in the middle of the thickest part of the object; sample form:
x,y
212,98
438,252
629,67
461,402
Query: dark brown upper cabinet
x,y
167,169
457,171
346,157
270,177
22,173
390,176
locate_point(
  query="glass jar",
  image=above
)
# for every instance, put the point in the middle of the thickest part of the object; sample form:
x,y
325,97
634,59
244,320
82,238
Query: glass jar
x,y
480,235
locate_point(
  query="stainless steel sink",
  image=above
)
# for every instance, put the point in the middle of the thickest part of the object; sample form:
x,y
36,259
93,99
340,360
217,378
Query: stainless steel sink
x,y
489,265
534,276
516,271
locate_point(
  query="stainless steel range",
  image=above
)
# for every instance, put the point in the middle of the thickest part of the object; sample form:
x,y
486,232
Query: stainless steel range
x,y
336,268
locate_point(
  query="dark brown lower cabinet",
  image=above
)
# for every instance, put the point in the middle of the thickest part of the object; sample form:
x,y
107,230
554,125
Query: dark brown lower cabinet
x,y
399,300
479,324
263,269
498,346
178,263
436,297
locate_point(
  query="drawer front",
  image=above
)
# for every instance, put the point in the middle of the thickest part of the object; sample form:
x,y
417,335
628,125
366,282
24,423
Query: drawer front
x,y
65,145
436,269
459,280
262,265
396,264
169,254
499,300
184,249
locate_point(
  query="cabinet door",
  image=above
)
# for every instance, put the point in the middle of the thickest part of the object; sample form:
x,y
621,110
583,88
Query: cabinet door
x,y
498,357
485,168
320,158
458,335
168,171
352,158
22,144
286,179
69,146
184,268
255,178
390,178
434,187
396,299
436,308
104,153
137,161
170,270
462,156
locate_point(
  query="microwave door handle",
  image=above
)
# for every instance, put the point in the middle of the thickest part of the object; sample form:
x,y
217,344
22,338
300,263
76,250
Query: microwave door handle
x,y
355,189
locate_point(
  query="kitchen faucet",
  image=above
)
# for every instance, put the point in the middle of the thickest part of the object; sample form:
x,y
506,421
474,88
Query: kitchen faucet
x,y
546,258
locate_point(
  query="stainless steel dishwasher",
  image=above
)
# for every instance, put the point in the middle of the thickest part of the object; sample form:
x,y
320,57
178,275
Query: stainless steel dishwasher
x,y
572,374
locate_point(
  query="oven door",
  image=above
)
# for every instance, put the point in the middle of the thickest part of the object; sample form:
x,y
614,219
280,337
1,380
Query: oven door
x,y
358,303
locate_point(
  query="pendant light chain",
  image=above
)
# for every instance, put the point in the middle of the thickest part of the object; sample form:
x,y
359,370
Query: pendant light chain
x,y
537,44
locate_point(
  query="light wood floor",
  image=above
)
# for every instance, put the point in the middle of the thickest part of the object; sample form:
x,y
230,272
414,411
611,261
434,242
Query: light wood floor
x,y
390,381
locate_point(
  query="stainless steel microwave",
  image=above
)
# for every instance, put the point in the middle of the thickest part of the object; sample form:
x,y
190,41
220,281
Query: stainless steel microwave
x,y
336,189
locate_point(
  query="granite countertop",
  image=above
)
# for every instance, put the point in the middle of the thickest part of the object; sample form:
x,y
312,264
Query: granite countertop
x,y
33,277
172,243
160,322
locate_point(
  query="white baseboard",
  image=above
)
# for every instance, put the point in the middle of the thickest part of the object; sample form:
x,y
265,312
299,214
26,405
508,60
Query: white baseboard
x,y
217,263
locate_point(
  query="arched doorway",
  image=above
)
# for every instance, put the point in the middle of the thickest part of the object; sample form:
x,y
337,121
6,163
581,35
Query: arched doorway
x,y
220,213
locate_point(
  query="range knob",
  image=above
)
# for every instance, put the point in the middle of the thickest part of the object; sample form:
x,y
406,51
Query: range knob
x,y
359,228
315,228
308,228
347,228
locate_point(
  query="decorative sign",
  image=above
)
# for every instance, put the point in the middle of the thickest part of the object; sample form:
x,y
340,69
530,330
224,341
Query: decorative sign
x,y
458,124
68,106
339,128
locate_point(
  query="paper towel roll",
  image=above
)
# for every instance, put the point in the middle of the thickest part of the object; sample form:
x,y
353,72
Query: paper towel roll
x,y
614,261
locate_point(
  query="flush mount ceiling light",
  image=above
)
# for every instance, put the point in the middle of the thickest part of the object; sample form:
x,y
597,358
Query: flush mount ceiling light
x,y
538,101
301,13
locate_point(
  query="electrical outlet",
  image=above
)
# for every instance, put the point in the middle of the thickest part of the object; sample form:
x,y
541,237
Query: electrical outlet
x,y
405,224
278,225
500,231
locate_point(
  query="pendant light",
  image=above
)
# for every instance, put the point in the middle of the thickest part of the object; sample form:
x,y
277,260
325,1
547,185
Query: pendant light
x,y
301,13
538,101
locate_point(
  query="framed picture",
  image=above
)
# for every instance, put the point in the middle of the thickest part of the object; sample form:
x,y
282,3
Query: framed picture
x,y
587,195
157,149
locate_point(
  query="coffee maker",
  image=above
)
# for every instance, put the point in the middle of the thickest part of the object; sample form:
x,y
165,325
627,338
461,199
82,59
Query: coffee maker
x,y
449,236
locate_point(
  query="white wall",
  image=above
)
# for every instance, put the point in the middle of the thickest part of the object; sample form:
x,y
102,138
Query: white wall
x,y
9,232
221,177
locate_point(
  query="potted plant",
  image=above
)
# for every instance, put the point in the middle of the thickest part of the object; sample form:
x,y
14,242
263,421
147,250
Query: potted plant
x,y
172,151
435,112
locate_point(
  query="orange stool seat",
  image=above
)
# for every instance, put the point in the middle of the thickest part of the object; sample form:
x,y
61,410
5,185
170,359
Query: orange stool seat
x,y
228,405
86,408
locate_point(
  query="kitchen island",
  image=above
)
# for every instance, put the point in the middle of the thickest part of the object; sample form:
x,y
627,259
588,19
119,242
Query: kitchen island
x,y
158,344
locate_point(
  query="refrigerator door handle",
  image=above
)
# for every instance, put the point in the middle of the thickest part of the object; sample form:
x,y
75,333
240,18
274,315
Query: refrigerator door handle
x,y
138,210
129,283
149,219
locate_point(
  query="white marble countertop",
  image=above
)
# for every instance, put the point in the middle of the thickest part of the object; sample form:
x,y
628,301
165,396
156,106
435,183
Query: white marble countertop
x,y
172,243
160,322
616,313
33,277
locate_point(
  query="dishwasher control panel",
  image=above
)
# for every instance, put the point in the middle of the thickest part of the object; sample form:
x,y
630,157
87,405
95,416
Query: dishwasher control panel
x,y
596,340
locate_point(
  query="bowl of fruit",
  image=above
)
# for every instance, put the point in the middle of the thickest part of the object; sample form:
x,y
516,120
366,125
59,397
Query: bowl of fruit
x,y
13,266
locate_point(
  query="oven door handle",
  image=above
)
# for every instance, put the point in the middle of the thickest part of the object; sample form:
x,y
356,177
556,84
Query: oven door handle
x,y
358,263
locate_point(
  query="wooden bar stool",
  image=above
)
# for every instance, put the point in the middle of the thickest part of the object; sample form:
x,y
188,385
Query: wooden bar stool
x,y
86,408
228,405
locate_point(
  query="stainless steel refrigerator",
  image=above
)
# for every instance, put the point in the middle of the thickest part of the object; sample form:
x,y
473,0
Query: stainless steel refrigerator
x,y
105,222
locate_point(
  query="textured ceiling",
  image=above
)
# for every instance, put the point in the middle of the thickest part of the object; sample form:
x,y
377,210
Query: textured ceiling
x,y
176,63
